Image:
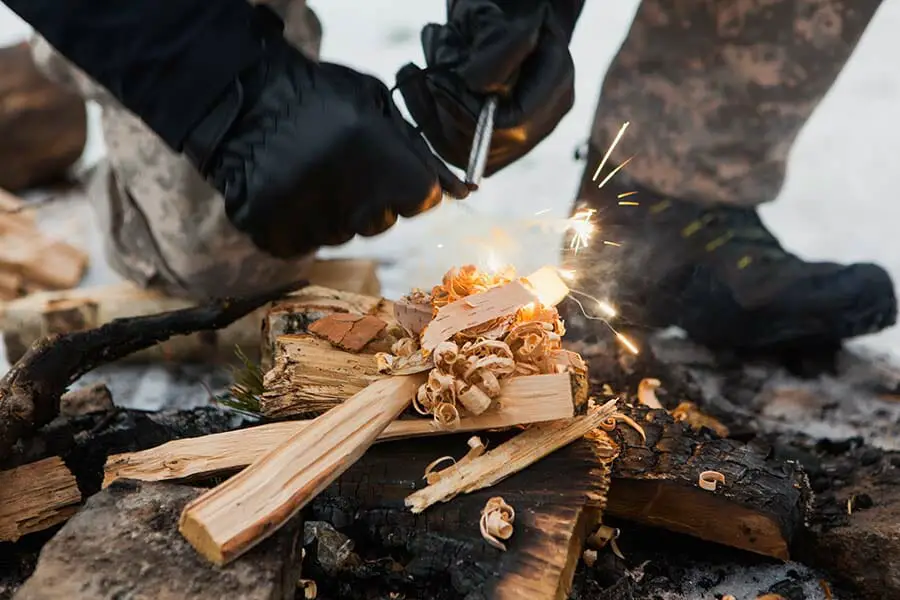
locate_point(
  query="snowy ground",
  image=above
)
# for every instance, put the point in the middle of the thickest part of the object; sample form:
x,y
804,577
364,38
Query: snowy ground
x,y
838,202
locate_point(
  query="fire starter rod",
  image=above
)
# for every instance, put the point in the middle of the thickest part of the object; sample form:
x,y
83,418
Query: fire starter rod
x,y
481,143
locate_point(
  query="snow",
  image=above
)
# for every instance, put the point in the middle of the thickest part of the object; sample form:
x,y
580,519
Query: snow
x,y
838,202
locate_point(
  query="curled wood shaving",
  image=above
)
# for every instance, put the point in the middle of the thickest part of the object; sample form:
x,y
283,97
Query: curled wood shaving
x,y
708,480
497,522
476,449
611,423
404,346
647,392
430,475
309,587
446,416
689,413
604,536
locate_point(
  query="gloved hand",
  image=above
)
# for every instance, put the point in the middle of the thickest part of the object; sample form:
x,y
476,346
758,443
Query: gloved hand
x,y
309,154
517,49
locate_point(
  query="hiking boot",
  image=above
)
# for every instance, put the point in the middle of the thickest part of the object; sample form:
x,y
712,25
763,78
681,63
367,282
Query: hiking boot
x,y
718,273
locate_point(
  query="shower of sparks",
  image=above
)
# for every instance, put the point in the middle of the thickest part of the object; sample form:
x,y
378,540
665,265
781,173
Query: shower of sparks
x,y
582,229
609,152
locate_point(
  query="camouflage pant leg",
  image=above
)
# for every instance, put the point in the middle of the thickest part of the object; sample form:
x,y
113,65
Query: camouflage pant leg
x,y
165,227
716,91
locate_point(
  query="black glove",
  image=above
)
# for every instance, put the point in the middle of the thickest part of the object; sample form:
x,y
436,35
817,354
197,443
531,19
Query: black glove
x,y
309,154
517,49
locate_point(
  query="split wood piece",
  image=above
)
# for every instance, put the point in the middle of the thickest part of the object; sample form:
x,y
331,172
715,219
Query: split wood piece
x,y
761,507
558,501
295,314
230,519
28,319
43,124
523,450
524,400
47,262
36,496
477,309
311,376
31,389
348,332
124,544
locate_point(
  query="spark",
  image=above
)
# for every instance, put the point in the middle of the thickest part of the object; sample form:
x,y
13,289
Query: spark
x,y
627,343
626,194
609,152
440,245
582,229
603,305
542,212
631,346
609,243
628,203
616,170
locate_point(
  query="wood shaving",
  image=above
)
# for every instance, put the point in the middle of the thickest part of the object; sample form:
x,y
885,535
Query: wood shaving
x,y
404,346
476,449
628,421
497,522
688,412
826,588
606,535
309,587
466,372
647,392
709,479
430,475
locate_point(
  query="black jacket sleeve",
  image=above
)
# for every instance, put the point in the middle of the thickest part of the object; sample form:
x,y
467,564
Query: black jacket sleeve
x,y
166,61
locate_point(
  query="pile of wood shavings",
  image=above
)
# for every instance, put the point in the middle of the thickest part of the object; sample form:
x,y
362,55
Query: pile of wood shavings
x,y
465,372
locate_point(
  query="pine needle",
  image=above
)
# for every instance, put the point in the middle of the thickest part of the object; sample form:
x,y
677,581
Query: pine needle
x,y
244,393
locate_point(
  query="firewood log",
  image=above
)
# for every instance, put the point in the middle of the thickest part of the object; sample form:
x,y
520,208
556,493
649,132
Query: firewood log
x,y
36,496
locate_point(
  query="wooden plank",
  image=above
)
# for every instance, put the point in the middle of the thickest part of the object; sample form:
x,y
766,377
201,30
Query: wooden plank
x,y
36,496
228,520
524,400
